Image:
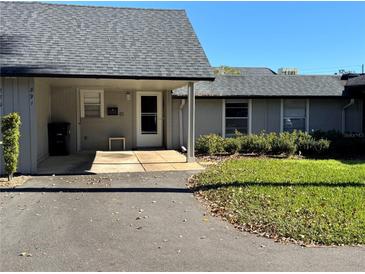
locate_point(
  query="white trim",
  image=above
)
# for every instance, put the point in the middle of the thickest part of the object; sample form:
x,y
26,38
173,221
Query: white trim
x,y
149,140
281,115
82,102
307,115
249,114
249,130
224,118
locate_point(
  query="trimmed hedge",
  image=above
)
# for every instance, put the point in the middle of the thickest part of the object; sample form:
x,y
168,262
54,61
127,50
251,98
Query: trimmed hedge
x,y
10,129
270,144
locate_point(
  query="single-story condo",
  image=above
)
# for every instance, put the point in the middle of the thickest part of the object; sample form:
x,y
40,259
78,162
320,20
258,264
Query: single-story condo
x,y
142,75
253,100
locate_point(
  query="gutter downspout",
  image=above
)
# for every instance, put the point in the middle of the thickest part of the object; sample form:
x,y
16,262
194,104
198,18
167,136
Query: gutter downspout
x,y
181,135
352,101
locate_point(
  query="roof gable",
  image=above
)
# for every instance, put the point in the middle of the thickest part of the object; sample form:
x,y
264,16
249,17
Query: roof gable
x,y
40,38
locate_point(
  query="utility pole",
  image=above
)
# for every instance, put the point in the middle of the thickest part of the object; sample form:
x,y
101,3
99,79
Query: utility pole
x,y
362,68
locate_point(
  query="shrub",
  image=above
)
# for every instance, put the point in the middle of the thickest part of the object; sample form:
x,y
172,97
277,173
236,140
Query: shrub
x,y
10,125
341,145
232,145
272,143
254,144
283,143
210,144
309,146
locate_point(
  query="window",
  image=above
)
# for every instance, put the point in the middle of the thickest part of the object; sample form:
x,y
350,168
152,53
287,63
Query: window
x,y
295,115
236,117
92,103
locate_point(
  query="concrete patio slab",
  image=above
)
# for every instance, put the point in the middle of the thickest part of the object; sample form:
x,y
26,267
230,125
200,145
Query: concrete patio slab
x,y
149,157
115,157
158,167
116,168
116,162
171,156
187,166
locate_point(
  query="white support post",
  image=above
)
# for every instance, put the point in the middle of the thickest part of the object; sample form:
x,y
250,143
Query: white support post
x,y
191,123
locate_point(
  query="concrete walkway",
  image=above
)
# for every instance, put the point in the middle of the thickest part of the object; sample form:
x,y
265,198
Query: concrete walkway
x,y
116,162
138,222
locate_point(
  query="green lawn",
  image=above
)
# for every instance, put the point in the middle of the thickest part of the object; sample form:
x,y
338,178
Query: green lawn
x,y
311,201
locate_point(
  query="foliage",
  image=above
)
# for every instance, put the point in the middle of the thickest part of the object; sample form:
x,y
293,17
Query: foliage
x,y
226,70
263,144
254,144
10,129
232,145
341,145
211,144
283,143
310,201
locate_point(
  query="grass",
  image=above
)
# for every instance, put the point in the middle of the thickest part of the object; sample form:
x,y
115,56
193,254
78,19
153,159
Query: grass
x,y
308,201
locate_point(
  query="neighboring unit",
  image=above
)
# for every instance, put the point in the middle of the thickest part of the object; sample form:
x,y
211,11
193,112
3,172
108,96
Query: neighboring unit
x,y
258,99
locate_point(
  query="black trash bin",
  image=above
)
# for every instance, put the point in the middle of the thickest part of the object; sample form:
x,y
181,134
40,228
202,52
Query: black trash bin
x,y
59,139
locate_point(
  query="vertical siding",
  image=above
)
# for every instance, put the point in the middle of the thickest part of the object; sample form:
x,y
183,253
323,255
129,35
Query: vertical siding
x,y
18,96
354,117
326,114
265,115
42,102
208,119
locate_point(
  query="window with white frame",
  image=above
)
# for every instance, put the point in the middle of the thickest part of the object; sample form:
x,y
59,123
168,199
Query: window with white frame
x,y
236,117
92,103
295,114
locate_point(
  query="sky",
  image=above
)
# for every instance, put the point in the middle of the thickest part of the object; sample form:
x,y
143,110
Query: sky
x,y
315,37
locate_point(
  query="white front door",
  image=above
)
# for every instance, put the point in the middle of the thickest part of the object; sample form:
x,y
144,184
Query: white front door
x,y
149,119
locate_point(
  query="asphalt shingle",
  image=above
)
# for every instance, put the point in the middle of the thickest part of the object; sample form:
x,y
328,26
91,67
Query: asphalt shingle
x,y
266,85
356,81
40,38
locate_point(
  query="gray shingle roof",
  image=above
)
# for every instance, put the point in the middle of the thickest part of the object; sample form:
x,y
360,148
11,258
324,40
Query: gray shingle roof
x,y
40,38
356,81
274,85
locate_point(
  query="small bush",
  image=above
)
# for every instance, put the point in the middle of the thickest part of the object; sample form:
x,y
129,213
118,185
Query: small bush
x,y
210,144
254,144
309,146
283,143
232,145
10,129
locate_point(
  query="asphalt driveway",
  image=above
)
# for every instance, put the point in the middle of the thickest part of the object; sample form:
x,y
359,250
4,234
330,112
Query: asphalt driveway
x,y
138,222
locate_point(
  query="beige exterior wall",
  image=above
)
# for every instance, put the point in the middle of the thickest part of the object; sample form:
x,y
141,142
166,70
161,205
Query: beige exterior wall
x,y
96,131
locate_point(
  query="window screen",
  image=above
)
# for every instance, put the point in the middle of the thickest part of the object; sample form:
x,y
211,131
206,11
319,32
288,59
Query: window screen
x,y
236,118
294,115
